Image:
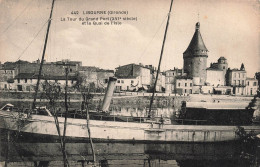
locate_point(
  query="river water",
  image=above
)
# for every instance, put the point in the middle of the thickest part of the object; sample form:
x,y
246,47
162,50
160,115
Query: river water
x,y
234,154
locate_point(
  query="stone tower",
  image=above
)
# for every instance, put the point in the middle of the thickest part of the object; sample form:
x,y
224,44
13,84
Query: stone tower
x,y
222,64
195,58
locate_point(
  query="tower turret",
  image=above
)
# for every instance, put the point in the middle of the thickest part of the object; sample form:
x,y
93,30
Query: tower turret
x,y
195,58
222,64
242,67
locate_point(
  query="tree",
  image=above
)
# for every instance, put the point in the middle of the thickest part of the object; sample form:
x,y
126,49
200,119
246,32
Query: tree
x,y
53,92
86,97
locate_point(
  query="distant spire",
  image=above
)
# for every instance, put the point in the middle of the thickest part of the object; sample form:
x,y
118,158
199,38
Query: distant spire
x,y
198,26
242,67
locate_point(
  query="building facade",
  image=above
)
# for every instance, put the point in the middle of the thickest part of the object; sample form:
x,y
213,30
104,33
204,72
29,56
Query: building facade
x,y
170,79
28,81
221,65
141,75
215,77
251,86
95,78
237,79
128,84
6,78
160,85
183,85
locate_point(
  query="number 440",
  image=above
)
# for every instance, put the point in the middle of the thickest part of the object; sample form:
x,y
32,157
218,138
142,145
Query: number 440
x,y
74,12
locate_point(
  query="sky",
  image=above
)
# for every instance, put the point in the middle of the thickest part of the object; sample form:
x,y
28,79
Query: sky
x,y
229,28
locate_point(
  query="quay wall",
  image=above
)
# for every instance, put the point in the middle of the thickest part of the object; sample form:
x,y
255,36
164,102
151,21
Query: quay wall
x,y
126,103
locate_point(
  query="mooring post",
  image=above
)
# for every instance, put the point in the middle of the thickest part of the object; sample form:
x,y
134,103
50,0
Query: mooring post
x,y
7,150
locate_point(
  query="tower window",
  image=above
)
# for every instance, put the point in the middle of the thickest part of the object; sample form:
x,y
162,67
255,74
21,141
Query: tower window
x,y
223,67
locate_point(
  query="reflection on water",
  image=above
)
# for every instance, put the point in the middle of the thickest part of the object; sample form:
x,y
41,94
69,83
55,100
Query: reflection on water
x,y
135,108
132,154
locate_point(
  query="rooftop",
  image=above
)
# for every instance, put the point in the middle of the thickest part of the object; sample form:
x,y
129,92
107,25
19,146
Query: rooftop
x,y
253,79
183,77
197,45
214,69
45,77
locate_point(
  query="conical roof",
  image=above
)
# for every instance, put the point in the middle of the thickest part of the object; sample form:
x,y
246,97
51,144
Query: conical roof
x,y
197,45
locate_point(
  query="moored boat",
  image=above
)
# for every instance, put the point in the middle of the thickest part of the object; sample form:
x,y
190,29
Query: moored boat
x,y
42,125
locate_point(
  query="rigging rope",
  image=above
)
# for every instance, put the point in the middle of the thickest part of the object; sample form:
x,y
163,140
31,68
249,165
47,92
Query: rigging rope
x,y
32,40
153,37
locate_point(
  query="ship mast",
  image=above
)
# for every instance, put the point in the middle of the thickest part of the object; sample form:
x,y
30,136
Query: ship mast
x,y
43,54
159,65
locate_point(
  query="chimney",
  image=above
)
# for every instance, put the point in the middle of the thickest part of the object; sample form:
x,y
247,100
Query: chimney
x,y
109,93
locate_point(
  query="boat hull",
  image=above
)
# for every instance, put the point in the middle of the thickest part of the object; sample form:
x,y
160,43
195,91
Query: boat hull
x,y
44,128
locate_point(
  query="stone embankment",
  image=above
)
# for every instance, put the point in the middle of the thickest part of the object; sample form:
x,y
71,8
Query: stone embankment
x,y
128,100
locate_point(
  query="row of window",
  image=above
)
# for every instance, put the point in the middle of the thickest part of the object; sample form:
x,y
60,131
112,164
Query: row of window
x,y
242,82
254,83
239,75
122,81
239,82
185,84
168,74
188,91
8,72
26,80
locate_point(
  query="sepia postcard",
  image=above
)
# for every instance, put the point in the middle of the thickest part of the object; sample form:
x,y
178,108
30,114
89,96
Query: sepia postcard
x,y
129,83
